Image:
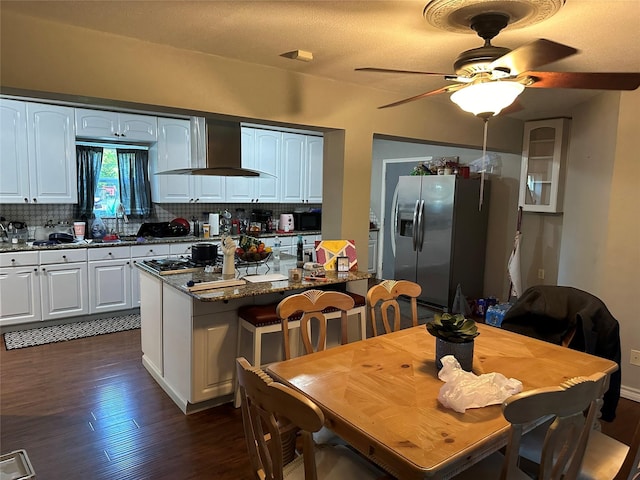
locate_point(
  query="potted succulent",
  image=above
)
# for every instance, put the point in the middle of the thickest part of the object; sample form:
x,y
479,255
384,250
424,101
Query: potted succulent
x,y
454,336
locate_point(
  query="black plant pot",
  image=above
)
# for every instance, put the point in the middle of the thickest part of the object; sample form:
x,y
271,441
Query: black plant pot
x,y
462,351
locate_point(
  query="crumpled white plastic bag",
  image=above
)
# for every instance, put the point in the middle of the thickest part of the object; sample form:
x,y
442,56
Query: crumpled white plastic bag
x,y
464,389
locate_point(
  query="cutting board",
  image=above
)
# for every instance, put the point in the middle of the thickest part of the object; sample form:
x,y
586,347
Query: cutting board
x,y
271,277
215,284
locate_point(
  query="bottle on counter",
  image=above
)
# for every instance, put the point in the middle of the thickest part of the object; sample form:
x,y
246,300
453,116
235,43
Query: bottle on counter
x,y
300,253
276,254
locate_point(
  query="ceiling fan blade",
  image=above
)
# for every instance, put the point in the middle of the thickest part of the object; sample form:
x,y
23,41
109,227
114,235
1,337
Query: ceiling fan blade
x,y
597,81
389,70
449,88
532,55
515,107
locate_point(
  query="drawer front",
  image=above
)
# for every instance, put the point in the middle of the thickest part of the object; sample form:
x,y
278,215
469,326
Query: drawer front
x,y
181,248
109,253
63,256
149,250
18,259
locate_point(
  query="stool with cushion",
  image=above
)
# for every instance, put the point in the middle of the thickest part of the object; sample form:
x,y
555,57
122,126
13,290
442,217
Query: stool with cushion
x,y
267,407
565,439
386,293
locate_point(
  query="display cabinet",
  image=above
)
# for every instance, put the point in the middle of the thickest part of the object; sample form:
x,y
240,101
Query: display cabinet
x,y
544,155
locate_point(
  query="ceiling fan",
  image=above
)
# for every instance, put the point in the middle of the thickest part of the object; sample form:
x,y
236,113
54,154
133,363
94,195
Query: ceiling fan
x,y
489,78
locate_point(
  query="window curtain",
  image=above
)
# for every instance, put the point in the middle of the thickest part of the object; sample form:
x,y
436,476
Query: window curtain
x,y
89,160
135,189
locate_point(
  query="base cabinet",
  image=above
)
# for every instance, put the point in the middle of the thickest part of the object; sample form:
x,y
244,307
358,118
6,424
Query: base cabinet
x,y
109,279
19,295
63,283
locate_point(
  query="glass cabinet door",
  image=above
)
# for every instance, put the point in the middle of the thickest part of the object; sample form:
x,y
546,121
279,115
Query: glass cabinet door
x,y
543,158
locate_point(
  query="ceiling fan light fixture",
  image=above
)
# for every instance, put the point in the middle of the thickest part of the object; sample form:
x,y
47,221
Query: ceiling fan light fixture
x,y
487,98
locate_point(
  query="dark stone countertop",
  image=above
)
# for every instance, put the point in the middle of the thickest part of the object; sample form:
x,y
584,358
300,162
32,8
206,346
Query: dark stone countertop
x,y
179,281
131,240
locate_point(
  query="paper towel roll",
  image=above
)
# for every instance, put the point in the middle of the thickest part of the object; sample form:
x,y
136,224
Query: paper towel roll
x,y
214,223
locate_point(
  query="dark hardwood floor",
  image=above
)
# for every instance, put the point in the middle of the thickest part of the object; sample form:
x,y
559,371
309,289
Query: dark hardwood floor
x,y
87,409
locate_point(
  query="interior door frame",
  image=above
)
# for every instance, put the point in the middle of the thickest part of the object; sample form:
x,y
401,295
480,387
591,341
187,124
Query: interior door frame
x,y
385,221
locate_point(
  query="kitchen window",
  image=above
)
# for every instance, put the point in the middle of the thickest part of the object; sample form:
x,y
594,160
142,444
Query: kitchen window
x,y
110,175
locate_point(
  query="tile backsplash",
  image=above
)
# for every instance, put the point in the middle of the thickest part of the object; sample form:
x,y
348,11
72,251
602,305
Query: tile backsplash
x,y
38,214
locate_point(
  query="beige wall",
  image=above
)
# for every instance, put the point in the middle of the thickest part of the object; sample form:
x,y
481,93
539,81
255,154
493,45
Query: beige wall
x,y
47,57
83,65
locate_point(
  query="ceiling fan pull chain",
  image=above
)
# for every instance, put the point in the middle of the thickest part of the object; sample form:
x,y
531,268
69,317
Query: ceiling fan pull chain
x,y
484,162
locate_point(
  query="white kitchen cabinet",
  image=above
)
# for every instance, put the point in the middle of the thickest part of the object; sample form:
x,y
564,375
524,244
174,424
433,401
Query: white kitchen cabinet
x,y
37,159
14,159
106,125
19,288
199,348
109,279
260,151
301,168
372,265
544,155
138,254
63,283
177,148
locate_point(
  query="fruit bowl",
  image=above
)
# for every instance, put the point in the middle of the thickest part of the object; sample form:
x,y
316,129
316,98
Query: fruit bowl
x,y
252,250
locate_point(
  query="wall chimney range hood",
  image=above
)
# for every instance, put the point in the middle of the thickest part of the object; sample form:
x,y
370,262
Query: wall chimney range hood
x,y
223,150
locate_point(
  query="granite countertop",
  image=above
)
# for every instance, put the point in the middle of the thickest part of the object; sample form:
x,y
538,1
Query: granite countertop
x,y
250,289
130,240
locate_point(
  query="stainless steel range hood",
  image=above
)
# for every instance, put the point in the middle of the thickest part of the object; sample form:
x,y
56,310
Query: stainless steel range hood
x,y
223,150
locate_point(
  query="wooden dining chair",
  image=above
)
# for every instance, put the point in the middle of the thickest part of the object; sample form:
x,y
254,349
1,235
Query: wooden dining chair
x,y
269,411
565,440
312,304
387,293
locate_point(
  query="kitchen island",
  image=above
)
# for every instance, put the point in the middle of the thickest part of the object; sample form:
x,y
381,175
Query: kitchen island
x,y
189,338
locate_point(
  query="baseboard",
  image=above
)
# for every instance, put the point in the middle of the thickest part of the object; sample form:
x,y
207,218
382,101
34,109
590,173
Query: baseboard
x,y
630,393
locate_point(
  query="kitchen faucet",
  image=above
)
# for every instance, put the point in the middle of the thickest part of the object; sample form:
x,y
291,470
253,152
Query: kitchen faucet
x,y
120,215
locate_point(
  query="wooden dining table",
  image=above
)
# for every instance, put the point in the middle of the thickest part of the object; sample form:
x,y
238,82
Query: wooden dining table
x,y
381,395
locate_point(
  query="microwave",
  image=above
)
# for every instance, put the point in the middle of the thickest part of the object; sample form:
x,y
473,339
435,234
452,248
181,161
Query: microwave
x,y
307,220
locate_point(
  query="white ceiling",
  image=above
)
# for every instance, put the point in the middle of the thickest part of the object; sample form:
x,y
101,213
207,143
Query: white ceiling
x,y
346,34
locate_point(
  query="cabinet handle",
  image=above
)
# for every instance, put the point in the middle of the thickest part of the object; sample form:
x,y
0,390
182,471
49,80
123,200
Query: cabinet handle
x,y
151,250
109,253
35,269
44,269
35,200
64,256
13,260
26,200
128,263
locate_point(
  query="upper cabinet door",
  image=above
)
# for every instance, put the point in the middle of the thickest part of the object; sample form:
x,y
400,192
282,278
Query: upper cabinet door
x,y
96,124
292,168
267,160
52,158
241,189
14,163
172,151
544,153
101,124
139,128
315,158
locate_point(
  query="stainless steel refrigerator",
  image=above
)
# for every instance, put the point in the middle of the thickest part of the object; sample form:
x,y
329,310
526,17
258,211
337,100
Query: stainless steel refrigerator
x,y
439,236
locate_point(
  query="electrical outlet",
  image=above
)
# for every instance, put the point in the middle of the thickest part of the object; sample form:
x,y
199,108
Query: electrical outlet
x,y
541,273
635,357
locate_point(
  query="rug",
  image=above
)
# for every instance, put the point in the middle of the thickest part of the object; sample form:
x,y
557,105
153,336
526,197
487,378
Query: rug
x,y
70,331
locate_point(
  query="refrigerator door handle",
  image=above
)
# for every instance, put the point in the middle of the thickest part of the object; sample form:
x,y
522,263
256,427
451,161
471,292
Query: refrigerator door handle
x,y
416,221
421,226
396,227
